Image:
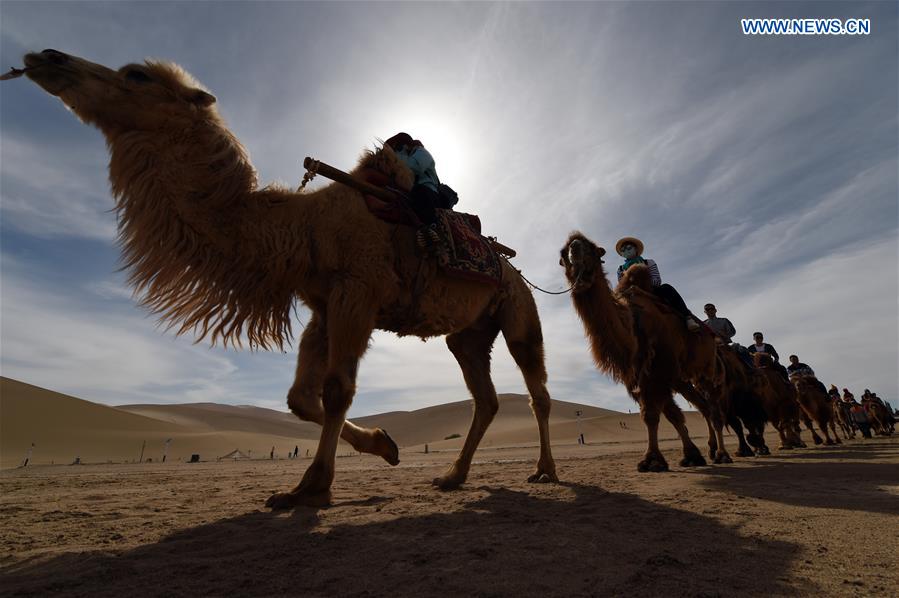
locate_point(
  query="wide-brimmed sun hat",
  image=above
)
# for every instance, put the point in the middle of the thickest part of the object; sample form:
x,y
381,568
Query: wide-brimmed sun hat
x,y
629,240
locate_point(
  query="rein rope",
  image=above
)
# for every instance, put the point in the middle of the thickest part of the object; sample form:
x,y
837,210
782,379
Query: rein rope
x,y
535,287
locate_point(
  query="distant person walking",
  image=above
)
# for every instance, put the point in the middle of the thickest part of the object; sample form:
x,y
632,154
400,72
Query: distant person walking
x,y
271,455
296,451
28,455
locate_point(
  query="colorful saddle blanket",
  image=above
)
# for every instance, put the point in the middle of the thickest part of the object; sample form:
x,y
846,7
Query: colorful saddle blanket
x,y
463,253
467,253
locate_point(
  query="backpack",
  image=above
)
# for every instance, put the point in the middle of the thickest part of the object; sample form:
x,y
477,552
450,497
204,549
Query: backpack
x,y
447,198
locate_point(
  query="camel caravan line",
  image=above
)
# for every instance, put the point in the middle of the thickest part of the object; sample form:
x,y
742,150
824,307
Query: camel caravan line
x,y
212,253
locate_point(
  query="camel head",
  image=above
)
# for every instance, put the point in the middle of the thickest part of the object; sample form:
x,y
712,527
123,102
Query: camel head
x,y
137,97
582,260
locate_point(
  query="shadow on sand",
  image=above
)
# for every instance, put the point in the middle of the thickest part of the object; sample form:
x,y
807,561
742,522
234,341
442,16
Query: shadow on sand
x,y
501,543
798,478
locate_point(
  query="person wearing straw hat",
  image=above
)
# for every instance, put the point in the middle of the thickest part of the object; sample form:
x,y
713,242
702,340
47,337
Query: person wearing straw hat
x,y
631,249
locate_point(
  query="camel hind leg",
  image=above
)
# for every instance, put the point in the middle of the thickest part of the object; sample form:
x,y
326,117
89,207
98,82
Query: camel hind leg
x,y
471,348
528,354
305,401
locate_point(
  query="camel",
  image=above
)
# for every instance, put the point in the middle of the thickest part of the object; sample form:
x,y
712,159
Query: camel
x,y
742,405
841,411
643,344
879,416
815,404
211,252
779,400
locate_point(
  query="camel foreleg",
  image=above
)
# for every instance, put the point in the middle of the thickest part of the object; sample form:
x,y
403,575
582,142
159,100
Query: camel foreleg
x,y
350,321
701,402
811,428
692,456
305,396
716,399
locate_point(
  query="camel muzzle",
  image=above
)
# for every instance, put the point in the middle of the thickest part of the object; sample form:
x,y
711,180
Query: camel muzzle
x,y
35,61
575,253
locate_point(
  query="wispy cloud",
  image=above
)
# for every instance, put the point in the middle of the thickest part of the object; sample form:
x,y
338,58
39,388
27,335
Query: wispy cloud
x,y
67,196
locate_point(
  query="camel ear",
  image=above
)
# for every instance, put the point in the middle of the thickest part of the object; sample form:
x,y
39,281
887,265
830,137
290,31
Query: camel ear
x,y
201,98
602,251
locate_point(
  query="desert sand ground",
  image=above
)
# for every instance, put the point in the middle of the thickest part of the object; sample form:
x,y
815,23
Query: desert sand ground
x,y
820,521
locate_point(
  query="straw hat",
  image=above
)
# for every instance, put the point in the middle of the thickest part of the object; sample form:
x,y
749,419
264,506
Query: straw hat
x,y
633,241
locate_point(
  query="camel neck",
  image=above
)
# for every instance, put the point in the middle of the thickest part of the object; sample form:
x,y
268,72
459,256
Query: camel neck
x,y
607,322
204,247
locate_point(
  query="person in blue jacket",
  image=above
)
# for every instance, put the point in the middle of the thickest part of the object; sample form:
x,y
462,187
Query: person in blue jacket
x,y
425,194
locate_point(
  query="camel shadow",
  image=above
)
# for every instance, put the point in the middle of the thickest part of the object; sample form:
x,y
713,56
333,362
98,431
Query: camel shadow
x,y
850,449
502,542
795,480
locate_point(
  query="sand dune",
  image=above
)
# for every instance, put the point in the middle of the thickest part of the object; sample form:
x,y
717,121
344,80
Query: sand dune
x,y
63,427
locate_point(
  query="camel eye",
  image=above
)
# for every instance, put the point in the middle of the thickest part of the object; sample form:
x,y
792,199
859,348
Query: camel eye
x,y
138,76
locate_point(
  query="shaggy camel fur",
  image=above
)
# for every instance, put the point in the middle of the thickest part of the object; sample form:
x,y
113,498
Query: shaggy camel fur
x,y
211,252
815,404
644,345
779,400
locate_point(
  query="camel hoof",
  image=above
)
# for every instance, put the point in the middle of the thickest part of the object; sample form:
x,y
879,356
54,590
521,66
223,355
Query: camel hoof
x,y
723,458
391,452
785,448
829,442
693,461
745,453
448,481
288,500
653,465
818,440
543,478
763,451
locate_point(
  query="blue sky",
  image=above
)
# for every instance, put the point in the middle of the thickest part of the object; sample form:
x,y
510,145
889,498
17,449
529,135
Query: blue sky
x,y
760,172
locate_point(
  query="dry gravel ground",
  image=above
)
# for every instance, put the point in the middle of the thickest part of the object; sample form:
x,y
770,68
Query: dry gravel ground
x,y
820,521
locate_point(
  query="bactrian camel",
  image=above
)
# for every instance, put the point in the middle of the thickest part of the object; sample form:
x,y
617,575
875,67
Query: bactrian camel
x,y
644,345
779,399
214,254
815,404
741,405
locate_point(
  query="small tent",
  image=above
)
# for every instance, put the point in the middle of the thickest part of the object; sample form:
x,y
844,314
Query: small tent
x,y
235,455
